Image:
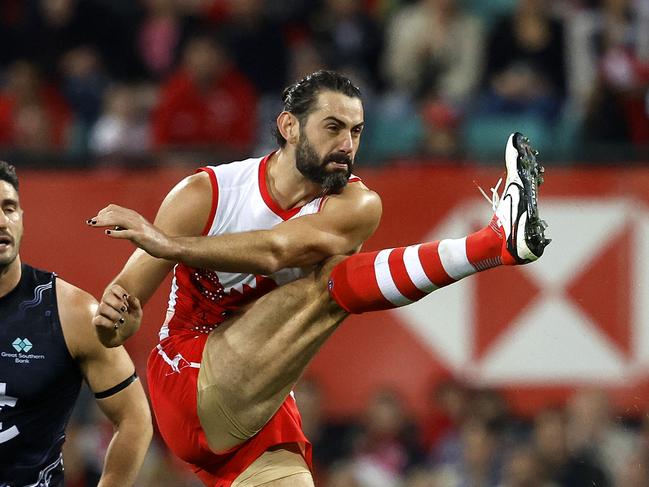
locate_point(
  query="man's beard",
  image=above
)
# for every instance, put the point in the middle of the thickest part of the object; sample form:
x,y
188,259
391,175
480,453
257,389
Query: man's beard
x,y
309,164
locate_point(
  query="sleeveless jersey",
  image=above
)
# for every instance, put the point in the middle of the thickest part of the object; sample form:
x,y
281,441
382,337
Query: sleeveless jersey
x,y
39,383
201,299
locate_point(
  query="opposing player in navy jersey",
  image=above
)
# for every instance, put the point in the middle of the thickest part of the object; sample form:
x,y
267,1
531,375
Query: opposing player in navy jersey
x,y
47,347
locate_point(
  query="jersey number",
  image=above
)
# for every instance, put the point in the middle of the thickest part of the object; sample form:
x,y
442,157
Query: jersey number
x,y
7,401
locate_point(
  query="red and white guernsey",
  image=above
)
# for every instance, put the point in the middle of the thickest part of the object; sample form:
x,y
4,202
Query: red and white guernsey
x,y
202,299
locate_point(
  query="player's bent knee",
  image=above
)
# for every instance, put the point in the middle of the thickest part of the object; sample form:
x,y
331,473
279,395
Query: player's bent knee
x,y
322,282
324,269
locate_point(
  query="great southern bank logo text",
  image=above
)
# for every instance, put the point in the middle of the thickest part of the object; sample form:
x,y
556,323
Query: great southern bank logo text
x,y
20,356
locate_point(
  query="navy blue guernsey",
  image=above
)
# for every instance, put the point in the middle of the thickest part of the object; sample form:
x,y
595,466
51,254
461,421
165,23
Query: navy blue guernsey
x,y
39,383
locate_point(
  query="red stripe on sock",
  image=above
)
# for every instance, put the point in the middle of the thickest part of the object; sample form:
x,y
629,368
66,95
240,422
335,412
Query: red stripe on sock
x,y
352,284
400,276
430,261
483,245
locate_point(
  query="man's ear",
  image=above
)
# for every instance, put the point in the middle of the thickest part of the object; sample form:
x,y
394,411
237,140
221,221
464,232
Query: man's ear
x,y
289,127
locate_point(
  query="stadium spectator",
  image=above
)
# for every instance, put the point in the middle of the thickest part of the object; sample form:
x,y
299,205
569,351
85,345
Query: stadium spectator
x,y
433,53
54,27
160,36
206,104
257,45
33,114
124,126
433,46
593,430
525,72
523,469
12,18
450,403
615,42
476,459
349,39
561,464
387,445
83,82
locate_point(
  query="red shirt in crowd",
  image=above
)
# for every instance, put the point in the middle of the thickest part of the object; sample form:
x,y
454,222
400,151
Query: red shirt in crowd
x,y
49,117
223,114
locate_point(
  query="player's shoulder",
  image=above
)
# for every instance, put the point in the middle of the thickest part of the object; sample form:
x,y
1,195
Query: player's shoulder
x,y
356,204
76,309
198,182
189,195
356,193
75,298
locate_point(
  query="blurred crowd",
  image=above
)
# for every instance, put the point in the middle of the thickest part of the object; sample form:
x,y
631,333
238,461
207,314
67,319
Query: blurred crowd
x,y
469,438
174,80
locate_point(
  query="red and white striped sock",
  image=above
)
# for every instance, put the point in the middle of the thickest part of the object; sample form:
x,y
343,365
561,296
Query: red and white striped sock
x,y
390,278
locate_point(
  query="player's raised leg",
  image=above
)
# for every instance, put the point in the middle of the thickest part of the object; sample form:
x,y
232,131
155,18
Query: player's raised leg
x,y
396,277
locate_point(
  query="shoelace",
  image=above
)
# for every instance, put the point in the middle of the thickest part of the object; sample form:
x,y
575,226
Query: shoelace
x,y
494,200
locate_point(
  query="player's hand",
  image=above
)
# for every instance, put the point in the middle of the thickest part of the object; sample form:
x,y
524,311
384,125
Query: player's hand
x,y
123,223
118,316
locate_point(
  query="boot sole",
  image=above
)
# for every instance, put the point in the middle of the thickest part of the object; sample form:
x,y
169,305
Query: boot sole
x,y
531,172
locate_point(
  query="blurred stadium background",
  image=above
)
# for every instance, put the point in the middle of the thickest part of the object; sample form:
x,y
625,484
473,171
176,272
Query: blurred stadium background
x,y
537,376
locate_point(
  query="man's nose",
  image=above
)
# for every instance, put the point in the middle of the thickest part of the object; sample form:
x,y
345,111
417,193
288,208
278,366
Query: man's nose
x,y
346,144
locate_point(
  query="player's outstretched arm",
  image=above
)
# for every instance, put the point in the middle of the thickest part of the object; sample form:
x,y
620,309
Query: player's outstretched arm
x,y
344,223
110,374
184,211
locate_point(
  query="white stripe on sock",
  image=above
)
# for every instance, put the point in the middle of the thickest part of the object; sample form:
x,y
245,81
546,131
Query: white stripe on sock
x,y
416,271
452,253
384,279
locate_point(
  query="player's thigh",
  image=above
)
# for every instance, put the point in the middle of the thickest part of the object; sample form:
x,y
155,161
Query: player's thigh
x,y
266,347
